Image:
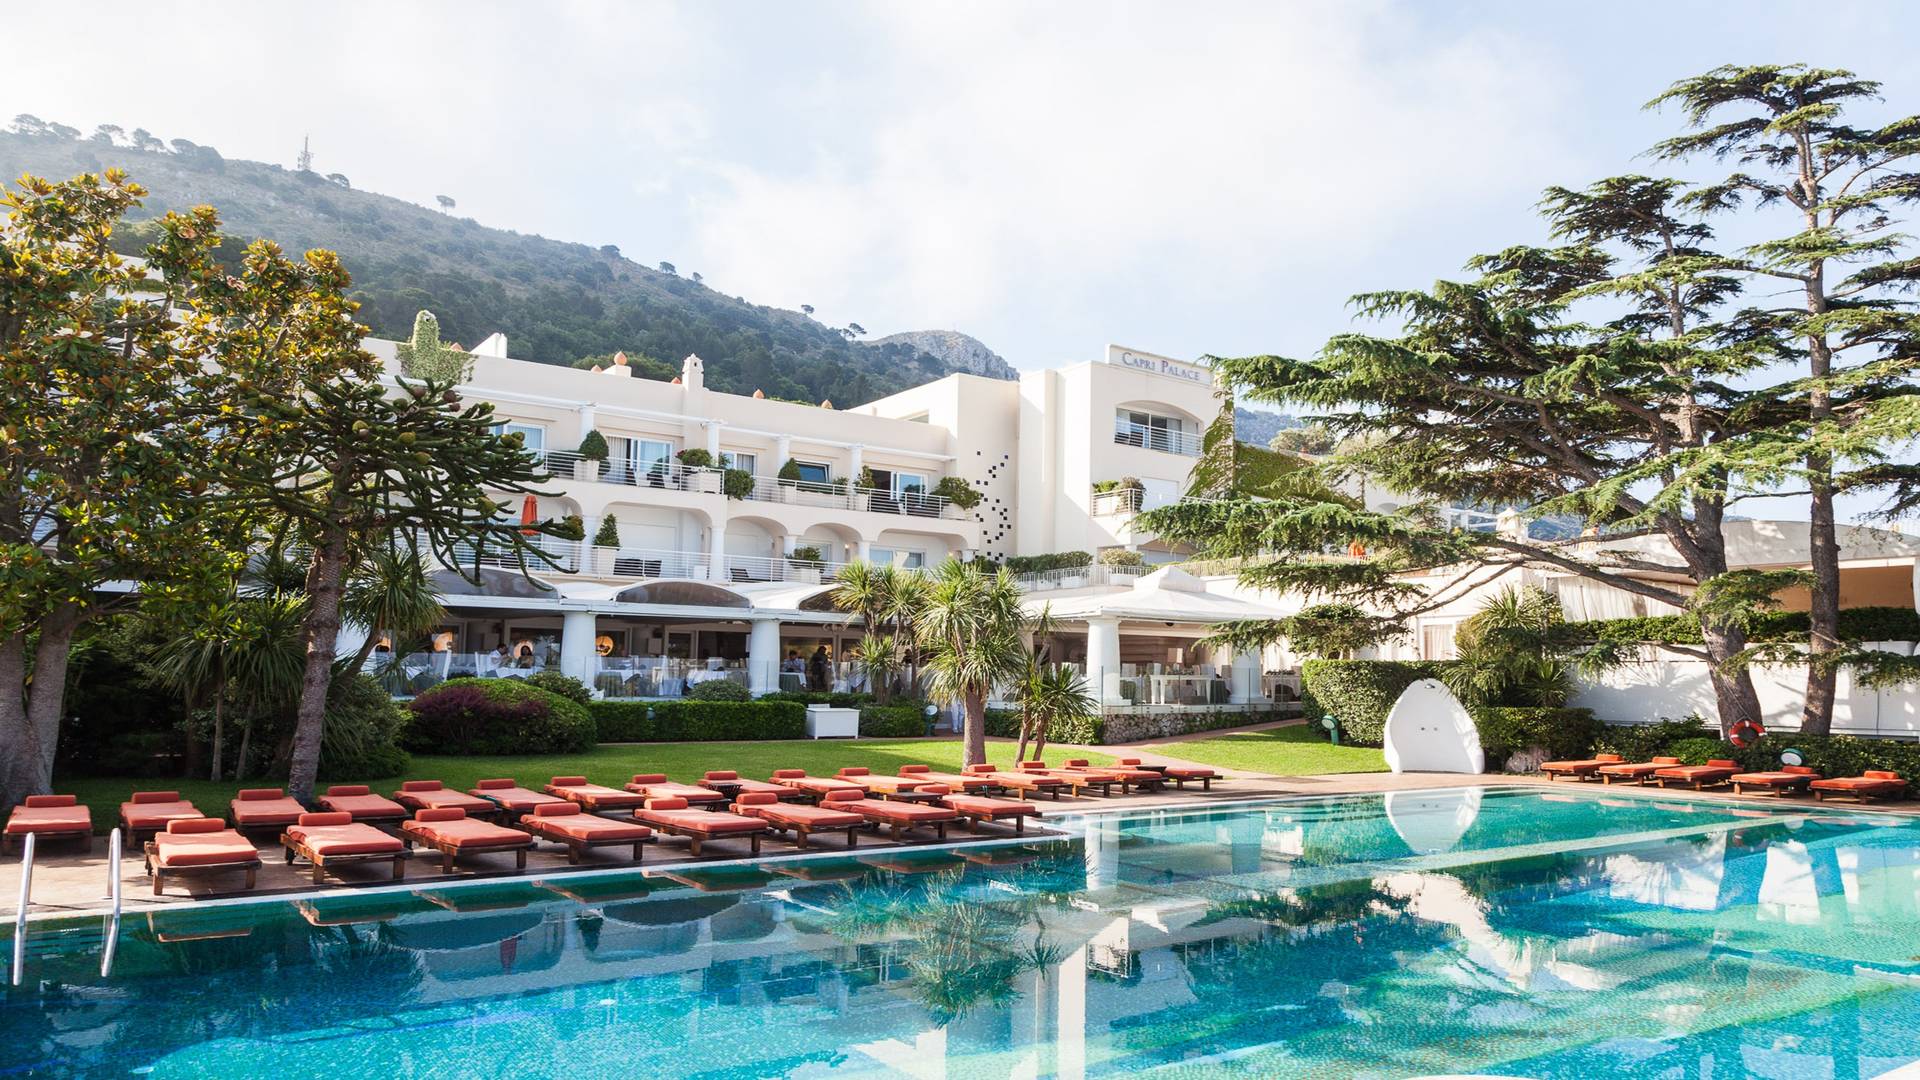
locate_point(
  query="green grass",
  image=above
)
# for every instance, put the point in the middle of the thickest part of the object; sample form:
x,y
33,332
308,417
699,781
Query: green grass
x,y
1286,751
612,764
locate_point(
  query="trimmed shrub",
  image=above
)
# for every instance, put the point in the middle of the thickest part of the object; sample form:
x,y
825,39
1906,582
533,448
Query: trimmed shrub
x,y
699,721
736,484
839,699
1058,560
364,731
893,722
559,682
1120,556
1693,742
1359,693
718,690
1856,624
593,447
1642,742
497,716
1564,733
957,491
696,457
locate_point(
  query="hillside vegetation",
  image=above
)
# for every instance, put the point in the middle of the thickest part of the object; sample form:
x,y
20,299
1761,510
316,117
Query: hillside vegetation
x,y
557,302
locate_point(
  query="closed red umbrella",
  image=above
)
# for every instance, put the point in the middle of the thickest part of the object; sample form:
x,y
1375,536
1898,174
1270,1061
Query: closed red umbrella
x,y
529,515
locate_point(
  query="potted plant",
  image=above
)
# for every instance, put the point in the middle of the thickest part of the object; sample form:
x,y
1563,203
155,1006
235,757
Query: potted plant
x,y
701,475
736,484
957,491
806,563
606,545
593,453
789,477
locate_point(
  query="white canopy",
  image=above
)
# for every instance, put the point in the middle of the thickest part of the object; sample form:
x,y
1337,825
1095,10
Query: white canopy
x,y
1168,595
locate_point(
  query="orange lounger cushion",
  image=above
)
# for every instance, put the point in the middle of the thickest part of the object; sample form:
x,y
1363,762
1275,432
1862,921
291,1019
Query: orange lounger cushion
x,y
658,786
1638,768
1582,765
336,833
1185,772
202,842
451,827
1786,776
896,813
673,813
819,785
953,780
503,791
1125,772
1871,782
1713,772
889,784
740,786
765,806
263,808
593,796
566,820
50,814
361,803
152,810
982,806
433,795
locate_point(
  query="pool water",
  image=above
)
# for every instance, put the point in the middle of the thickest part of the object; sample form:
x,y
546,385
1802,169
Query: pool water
x,y
1497,931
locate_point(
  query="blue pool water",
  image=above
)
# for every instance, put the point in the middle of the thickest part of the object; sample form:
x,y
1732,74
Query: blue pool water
x,y
1499,931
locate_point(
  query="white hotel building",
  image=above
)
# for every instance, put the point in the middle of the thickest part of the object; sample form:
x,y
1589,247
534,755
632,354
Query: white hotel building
x,y
705,584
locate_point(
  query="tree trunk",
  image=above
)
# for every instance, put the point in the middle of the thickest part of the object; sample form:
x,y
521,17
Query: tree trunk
x,y
1823,616
1733,692
47,695
246,740
974,727
1026,732
19,743
1040,741
324,587
219,722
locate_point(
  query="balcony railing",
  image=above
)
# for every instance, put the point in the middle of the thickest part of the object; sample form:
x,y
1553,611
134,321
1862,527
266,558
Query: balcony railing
x,y
741,569
659,475
1080,577
1117,501
1127,433
836,495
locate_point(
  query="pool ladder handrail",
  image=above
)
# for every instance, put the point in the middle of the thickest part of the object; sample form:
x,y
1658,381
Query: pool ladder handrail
x,y
20,913
113,890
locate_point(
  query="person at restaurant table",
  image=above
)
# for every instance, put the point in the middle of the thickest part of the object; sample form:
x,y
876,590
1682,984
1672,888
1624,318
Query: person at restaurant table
x,y
817,666
793,664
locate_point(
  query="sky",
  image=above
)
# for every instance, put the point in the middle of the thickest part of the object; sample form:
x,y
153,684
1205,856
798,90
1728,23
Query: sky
x,y
1190,179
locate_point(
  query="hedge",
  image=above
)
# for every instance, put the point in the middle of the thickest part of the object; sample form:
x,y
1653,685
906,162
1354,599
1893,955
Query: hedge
x,y
1055,560
839,699
1124,727
1693,743
699,721
1564,733
1359,693
496,716
1856,624
893,721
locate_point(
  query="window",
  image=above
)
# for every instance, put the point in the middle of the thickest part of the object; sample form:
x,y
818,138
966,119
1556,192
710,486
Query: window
x,y
1436,642
813,472
640,461
1134,427
734,459
532,436
899,483
908,559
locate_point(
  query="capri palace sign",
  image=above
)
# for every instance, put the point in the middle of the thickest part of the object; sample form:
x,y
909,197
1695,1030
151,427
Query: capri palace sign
x,y
1164,366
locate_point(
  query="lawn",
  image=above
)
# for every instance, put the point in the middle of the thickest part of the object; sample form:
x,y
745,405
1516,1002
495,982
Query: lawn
x,y
1286,751
612,764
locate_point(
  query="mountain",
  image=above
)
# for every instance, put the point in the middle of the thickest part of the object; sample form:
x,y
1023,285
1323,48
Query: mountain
x,y
557,302
1257,426
957,351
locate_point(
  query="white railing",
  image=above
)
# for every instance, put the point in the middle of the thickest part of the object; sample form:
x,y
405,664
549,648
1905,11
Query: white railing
x,y
644,563
826,494
20,913
1117,501
839,495
1090,576
660,476
760,568
558,463
1127,433
660,676
112,929
565,553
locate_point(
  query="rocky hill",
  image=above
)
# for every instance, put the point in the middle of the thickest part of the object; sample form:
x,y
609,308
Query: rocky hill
x,y
957,351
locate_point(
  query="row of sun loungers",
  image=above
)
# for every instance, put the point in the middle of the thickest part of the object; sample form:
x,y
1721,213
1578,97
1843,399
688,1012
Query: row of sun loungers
x,y
1788,779
353,825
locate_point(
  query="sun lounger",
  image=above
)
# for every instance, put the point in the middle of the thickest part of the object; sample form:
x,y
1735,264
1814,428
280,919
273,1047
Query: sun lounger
x,y
51,817
1715,771
593,798
978,808
733,785
1869,785
899,817
449,831
1794,778
886,787
1030,782
564,823
1583,769
199,845
1637,771
420,795
359,802
673,817
263,808
657,786
334,838
1078,781
150,811
814,786
802,821
1130,775
954,781
509,796
1181,775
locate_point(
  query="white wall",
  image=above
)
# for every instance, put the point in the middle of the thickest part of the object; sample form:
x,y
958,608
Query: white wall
x,y
1672,686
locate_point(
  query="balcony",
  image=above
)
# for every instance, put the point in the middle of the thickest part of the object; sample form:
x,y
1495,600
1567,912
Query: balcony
x,y
1092,576
1127,433
841,495
1117,501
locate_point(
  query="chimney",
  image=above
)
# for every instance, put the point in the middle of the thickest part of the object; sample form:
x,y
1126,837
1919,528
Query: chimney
x,y
693,372
495,346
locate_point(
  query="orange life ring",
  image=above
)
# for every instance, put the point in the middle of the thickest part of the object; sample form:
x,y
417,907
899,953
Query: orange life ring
x,y
1744,732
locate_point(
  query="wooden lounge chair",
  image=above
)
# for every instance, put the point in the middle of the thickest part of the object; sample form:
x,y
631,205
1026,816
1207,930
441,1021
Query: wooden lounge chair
x,y
1583,769
899,818
334,838
1077,781
657,786
417,795
593,798
1715,771
1181,775
360,803
802,821
449,831
815,787
513,799
150,811
1869,785
885,787
978,808
1032,783
201,845
954,781
51,817
565,823
1130,775
731,784
263,808
673,817
1637,771
1788,778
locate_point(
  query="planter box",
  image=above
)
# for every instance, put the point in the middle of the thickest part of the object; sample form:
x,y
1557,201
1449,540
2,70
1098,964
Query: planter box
x,y
705,482
827,722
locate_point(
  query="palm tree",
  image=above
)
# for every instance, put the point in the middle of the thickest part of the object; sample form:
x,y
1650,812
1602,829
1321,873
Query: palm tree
x,y
250,650
969,635
879,657
1051,694
888,601
390,591
1514,651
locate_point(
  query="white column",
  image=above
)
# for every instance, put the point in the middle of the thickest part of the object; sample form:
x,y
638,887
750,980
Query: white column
x,y
1245,681
717,550
577,651
1103,658
856,460
865,551
782,449
788,542
713,440
763,656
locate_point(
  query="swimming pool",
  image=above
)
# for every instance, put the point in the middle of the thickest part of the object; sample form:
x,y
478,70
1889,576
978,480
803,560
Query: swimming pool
x,y
1471,930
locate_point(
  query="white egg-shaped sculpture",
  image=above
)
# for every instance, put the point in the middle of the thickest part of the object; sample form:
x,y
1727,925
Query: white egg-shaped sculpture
x,y
1430,731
